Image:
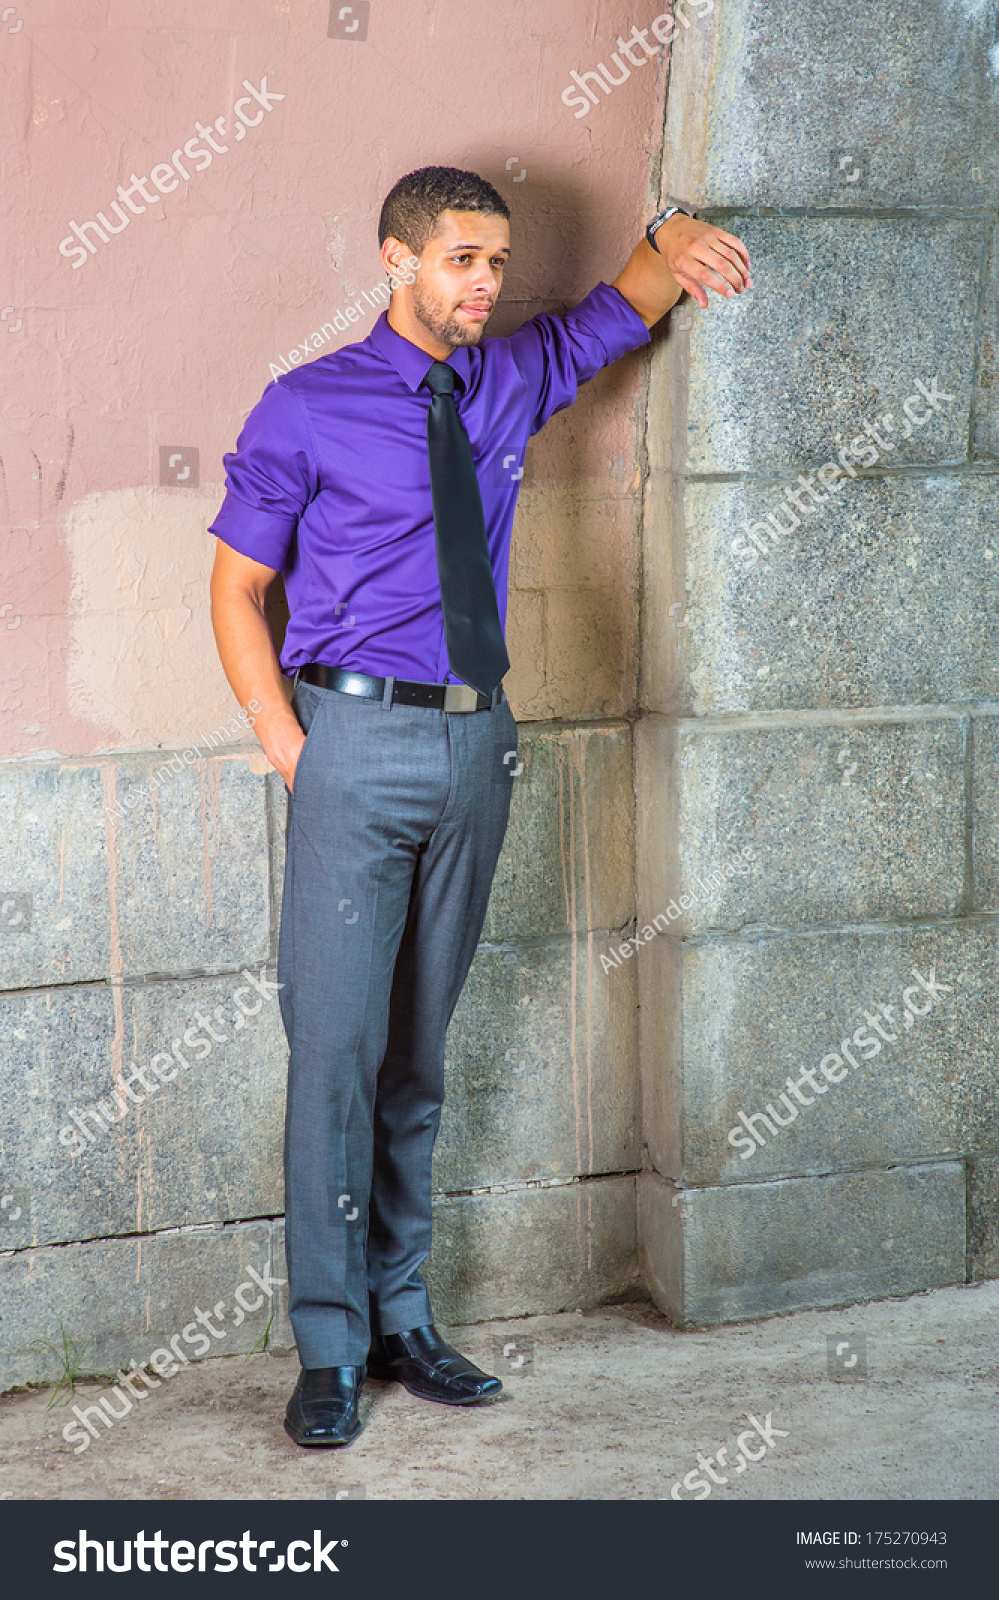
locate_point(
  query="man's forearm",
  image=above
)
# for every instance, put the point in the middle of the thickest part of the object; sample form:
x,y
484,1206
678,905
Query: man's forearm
x,y
250,663
647,284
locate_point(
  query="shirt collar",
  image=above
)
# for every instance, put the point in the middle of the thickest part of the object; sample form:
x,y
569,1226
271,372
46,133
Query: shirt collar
x,y
410,362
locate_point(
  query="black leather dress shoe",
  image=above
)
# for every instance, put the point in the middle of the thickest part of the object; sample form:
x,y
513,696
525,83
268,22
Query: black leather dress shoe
x,y
323,1410
426,1366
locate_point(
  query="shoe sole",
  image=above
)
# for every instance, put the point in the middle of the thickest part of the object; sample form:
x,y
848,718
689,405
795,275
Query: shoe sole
x,y
321,1444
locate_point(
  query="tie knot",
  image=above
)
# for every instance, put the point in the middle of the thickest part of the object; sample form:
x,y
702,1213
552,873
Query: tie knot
x,y
440,379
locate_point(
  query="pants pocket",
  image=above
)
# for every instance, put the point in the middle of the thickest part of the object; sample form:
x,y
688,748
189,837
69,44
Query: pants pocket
x,y
307,704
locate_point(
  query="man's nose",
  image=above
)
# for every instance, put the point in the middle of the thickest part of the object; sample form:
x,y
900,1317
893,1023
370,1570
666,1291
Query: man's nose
x,y
485,278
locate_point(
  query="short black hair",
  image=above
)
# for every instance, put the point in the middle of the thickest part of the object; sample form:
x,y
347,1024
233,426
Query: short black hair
x,y
413,207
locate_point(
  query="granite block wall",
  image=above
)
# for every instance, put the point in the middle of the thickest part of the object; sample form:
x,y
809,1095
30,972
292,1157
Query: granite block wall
x,y
816,763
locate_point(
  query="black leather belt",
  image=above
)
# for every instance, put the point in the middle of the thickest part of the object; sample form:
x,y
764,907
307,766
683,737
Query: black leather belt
x,y
401,691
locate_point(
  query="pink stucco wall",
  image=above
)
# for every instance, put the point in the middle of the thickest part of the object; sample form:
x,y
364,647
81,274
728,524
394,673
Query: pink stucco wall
x,y
165,335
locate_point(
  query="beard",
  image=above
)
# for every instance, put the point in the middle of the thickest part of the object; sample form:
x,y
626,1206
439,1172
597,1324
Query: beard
x,y
439,319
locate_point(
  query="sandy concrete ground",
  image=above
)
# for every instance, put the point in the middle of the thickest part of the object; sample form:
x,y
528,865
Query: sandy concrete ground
x,y
614,1405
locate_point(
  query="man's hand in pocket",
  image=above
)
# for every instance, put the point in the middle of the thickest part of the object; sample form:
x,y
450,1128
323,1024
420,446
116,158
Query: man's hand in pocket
x,y
286,758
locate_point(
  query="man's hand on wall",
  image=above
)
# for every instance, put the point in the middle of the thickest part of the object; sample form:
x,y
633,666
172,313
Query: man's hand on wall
x,y
692,256
701,257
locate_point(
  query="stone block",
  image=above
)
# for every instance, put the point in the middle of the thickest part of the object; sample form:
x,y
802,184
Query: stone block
x,y
141,666
525,685
565,541
560,866
591,649
661,977
204,1146
130,868
986,432
190,884
812,352
586,451
55,925
277,817
864,822
985,812
670,608
753,1250
757,1012
281,1335
795,630
892,105
983,1218
533,1251
122,1299
542,1069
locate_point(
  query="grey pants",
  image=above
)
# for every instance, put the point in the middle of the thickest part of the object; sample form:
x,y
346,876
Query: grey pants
x,y
393,834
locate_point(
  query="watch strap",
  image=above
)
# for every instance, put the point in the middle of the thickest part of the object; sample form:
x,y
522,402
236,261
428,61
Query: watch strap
x,y
671,209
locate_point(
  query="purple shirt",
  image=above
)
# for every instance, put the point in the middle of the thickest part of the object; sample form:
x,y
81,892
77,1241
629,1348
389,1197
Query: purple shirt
x,y
330,479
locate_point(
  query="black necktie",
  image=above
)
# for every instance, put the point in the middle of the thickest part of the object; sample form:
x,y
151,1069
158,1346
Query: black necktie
x,y
475,647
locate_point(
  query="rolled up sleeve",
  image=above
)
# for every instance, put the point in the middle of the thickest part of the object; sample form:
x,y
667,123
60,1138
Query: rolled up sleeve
x,y
556,354
271,477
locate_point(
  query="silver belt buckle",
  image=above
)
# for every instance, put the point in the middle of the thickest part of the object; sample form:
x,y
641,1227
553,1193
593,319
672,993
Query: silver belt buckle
x,y
460,697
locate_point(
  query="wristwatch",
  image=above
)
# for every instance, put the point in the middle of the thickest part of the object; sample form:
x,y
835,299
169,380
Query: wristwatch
x,y
670,209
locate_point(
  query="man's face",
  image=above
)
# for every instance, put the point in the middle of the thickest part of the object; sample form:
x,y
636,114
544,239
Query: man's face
x,y
461,274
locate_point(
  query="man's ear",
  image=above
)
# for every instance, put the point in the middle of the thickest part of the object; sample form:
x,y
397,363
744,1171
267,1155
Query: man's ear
x,y
394,255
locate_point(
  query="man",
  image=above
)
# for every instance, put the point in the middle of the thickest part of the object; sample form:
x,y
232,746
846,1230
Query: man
x,y
381,480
